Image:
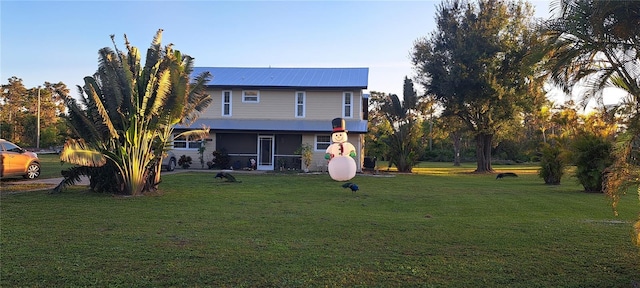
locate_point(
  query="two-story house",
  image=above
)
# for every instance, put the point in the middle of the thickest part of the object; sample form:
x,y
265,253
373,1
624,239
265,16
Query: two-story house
x,y
267,114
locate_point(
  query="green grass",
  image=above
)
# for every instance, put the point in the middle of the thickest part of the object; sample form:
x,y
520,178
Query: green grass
x,y
440,227
50,165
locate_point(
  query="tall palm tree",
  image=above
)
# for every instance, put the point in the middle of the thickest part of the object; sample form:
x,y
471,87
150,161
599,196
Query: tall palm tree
x,y
127,114
403,142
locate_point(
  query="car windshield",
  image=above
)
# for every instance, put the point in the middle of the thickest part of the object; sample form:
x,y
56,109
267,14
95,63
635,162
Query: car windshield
x,y
12,148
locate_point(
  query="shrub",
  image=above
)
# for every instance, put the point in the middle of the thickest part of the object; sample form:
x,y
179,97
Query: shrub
x,y
185,161
592,155
552,164
439,155
306,153
221,159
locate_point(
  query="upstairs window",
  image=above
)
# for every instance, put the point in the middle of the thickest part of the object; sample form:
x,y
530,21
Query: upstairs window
x,y
182,142
300,101
347,106
226,103
322,142
251,96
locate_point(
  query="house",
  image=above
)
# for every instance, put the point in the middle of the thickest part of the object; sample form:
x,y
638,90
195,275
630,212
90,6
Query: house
x,y
267,114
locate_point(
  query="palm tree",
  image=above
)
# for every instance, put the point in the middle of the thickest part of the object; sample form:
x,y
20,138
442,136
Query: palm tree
x,y
126,116
403,142
594,43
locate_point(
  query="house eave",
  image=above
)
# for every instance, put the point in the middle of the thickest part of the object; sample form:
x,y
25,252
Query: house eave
x,y
316,88
262,125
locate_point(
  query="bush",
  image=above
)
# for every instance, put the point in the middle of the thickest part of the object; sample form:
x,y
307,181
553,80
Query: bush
x,y
306,153
185,161
438,155
552,164
221,159
592,154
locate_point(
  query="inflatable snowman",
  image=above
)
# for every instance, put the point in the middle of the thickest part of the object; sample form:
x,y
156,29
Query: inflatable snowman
x,y
341,154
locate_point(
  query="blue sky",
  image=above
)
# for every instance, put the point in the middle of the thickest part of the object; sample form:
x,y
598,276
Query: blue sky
x,y
59,40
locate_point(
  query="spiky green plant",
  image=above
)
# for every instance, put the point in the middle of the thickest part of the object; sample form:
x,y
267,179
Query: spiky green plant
x,y
127,115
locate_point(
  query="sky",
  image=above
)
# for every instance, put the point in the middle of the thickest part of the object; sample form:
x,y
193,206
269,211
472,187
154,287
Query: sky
x,y
58,41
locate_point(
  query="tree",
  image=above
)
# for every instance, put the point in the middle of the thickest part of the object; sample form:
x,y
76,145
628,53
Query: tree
x,y
472,65
127,115
595,45
19,108
404,140
12,110
378,127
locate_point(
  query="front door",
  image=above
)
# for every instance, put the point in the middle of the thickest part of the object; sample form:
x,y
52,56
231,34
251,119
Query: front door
x,y
265,152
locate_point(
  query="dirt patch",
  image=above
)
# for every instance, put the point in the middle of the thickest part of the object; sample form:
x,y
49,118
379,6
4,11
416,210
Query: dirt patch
x,y
17,187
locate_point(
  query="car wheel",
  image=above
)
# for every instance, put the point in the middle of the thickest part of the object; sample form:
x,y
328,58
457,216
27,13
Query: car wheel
x,y
33,171
172,164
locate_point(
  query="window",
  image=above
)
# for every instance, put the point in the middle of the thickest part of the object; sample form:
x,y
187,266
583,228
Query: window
x,y
347,107
322,142
183,142
226,103
300,99
251,96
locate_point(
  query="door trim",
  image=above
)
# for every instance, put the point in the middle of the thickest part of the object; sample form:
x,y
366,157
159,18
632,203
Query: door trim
x,y
265,162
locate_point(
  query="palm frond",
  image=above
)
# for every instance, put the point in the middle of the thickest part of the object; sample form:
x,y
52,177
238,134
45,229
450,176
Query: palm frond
x,y
162,91
195,133
71,176
154,52
591,42
92,88
108,74
78,119
79,153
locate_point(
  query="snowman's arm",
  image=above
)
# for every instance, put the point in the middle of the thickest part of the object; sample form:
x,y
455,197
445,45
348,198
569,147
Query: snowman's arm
x,y
328,156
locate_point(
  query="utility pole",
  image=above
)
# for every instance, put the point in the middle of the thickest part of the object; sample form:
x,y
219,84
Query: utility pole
x,y
38,129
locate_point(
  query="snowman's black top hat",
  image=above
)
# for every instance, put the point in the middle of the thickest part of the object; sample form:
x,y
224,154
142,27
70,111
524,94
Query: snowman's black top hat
x,y
338,125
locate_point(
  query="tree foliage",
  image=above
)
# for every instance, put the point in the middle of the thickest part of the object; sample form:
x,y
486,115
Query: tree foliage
x,y
395,130
592,155
126,116
472,65
19,109
552,163
595,45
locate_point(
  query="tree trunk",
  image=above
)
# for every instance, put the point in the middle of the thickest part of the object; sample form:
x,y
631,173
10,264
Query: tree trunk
x,y
483,153
156,176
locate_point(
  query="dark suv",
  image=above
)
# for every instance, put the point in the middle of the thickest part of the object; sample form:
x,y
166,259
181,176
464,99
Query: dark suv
x,y
15,161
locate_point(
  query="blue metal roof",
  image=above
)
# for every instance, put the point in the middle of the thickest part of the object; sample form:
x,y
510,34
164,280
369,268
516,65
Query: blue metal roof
x,y
287,77
315,126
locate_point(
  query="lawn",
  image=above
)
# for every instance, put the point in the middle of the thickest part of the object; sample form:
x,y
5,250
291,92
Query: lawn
x,y
438,227
50,165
